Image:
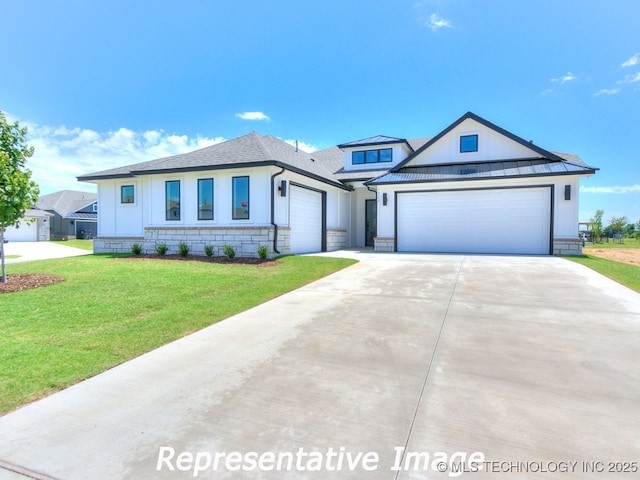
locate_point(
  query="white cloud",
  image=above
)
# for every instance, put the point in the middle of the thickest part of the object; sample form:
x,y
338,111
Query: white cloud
x,y
634,60
564,79
62,154
607,91
252,116
616,189
633,78
305,147
436,22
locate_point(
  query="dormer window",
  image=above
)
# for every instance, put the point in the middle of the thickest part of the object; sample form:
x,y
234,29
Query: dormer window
x,y
468,143
381,155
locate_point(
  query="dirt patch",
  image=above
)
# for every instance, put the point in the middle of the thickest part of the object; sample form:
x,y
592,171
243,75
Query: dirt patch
x,y
197,258
26,281
623,255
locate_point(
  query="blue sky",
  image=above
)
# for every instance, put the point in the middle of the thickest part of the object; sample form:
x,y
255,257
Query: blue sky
x,y
107,83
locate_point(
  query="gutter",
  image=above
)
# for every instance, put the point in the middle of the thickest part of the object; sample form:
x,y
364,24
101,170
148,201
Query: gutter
x,y
273,209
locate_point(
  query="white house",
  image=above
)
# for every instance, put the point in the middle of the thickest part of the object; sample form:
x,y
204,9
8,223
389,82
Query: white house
x,y
33,227
474,188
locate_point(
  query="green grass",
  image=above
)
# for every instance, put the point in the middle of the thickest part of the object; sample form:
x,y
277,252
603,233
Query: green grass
x,y
623,273
11,256
628,243
109,310
75,243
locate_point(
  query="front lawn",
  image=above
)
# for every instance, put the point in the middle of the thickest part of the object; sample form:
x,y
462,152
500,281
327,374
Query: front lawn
x,y
75,243
110,309
623,273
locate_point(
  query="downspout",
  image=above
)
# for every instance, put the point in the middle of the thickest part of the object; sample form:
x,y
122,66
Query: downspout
x,y
273,209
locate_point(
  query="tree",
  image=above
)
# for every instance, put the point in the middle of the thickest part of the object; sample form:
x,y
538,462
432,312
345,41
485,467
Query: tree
x,y
596,225
618,224
17,191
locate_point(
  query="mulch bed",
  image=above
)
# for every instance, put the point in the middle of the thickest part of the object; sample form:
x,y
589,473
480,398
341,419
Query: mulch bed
x,y
198,258
26,281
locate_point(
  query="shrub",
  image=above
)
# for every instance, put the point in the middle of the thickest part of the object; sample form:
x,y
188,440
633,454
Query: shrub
x,y
136,249
162,248
263,252
208,250
229,251
183,249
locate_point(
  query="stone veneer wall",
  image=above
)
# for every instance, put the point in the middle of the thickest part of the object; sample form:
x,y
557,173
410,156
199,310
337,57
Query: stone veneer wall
x,y
383,244
336,239
567,246
115,244
245,240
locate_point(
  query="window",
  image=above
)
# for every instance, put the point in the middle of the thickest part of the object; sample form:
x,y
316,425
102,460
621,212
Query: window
x,y
126,194
240,198
468,143
95,207
205,199
371,156
172,196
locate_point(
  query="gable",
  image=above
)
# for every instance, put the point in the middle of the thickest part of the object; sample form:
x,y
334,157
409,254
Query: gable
x,y
490,145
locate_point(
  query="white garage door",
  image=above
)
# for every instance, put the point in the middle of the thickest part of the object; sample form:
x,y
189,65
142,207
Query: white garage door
x,y
305,220
475,221
26,233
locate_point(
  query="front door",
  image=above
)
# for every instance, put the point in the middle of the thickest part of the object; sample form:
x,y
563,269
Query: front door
x,y
371,218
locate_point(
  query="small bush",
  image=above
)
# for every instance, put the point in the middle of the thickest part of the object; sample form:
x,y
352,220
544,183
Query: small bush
x,y
136,249
229,251
162,248
208,250
263,252
183,249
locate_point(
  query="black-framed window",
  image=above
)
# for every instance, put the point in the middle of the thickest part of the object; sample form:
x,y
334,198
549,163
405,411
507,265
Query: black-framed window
x,y
240,199
381,155
127,194
172,196
205,199
468,143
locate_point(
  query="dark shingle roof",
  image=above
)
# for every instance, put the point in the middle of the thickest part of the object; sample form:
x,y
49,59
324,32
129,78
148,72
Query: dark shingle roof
x,y
252,149
66,202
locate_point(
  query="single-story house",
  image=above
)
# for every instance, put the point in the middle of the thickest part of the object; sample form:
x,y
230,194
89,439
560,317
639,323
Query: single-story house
x,y
75,214
474,187
34,227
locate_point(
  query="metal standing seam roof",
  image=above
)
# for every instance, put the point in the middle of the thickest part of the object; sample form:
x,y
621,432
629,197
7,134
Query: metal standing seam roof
x,y
482,171
375,140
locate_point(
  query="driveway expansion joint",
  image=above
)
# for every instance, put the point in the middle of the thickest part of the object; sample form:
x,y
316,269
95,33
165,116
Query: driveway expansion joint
x,y
429,367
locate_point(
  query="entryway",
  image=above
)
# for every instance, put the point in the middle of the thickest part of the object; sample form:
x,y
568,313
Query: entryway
x,y
371,219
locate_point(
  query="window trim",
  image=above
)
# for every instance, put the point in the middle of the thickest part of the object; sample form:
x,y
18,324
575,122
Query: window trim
x,y
366,153
477,143
166,199
212,198
133,194
233,198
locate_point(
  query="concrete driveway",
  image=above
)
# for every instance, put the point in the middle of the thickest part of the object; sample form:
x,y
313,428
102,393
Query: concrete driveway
x,y
516,366
29,251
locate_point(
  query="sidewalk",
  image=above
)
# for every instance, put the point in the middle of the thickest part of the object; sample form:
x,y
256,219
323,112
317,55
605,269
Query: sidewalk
x,y
30,251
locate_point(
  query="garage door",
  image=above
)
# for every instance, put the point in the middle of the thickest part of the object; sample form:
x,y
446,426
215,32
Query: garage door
x,y
305,220
26,233
475,221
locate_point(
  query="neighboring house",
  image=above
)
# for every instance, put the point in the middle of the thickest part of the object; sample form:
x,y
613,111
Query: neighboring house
x,y
473,188
75,214
34,227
